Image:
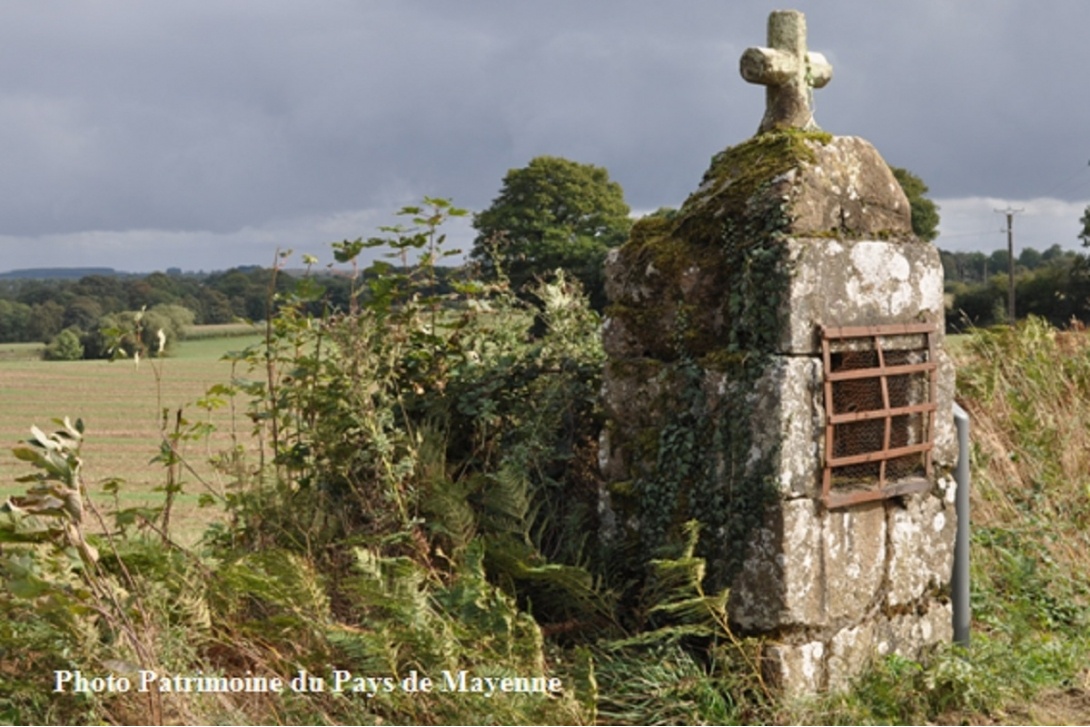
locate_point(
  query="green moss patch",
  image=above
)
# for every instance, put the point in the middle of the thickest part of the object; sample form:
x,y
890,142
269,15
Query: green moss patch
x,y
729,190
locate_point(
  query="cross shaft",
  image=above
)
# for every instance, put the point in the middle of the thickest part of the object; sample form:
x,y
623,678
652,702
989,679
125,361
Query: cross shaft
x,y
788,72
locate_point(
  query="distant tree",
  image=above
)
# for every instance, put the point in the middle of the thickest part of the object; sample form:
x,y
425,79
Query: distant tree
x,y
163,289
139,293
999,262
976,265
39,291
981,305
1085,234
950,268
13,321
172,320
925,213
1055,252
97,341
82,313
45,321
215,307
1047,292
153,332
101,288
248,289
553,213
1030,259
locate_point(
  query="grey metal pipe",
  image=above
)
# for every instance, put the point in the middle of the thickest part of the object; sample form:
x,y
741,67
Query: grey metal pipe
x,y
959,587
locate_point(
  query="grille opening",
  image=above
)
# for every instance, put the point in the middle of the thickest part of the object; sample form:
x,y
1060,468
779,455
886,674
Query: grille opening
x,y
879,404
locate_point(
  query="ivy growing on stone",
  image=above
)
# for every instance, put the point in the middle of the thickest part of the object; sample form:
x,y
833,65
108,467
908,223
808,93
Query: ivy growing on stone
x,y
715,338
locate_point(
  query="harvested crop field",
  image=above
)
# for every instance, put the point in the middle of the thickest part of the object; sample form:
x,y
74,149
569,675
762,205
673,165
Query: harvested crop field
x,y
122,406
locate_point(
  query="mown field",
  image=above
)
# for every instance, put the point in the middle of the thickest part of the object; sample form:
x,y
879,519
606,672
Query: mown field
x,y
121,405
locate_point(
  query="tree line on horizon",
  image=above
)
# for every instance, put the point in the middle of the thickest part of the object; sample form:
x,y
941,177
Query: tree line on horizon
x,y
551,214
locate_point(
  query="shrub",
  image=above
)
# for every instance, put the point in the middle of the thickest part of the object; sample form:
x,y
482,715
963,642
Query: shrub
x,y
65,346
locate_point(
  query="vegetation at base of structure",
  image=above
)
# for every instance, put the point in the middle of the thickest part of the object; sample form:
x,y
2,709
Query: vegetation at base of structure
x,y
1028,393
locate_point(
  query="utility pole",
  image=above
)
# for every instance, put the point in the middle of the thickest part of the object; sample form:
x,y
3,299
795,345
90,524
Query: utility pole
x,y
1010,261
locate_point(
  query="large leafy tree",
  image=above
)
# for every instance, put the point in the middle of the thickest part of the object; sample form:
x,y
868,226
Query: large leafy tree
x,y
553,213
1085,234
925,213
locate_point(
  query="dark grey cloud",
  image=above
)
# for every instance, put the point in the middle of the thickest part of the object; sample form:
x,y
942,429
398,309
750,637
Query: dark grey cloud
x,y
228,127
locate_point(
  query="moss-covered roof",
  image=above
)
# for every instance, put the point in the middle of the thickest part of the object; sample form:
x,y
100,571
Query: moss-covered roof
x,y
736,175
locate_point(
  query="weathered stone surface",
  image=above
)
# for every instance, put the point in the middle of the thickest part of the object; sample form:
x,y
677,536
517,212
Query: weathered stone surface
x,y
858,283
945,453
946,489
713,335
940,620
796,669
636,392
788,71
781,582
854,555
910,633
656,263
850,257
851,650
785,420
641,334
666,294
847,191
639,396
921,544
611,461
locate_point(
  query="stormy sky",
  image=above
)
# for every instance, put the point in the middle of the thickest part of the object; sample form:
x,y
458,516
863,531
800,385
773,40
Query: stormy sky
x,y
208,133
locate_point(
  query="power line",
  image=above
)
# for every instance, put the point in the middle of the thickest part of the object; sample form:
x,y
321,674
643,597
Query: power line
x,y
1066,181
949,236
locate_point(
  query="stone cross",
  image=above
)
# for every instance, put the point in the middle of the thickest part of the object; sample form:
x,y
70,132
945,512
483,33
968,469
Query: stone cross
x,y
788,71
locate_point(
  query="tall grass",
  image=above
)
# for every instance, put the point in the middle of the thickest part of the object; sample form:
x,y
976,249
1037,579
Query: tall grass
x,y
1027,390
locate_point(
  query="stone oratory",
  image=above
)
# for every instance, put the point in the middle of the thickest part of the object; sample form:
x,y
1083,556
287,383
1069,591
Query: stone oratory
x,y
776,372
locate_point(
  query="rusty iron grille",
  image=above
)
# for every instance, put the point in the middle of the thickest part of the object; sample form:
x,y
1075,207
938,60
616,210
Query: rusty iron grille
x,y
879,411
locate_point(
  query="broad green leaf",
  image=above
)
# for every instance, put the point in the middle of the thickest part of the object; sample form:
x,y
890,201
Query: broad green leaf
x,y
27,588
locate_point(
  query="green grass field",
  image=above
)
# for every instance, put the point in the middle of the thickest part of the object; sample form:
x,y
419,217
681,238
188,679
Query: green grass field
x,y
21,351
121,405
